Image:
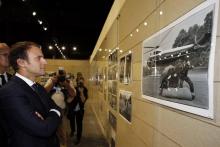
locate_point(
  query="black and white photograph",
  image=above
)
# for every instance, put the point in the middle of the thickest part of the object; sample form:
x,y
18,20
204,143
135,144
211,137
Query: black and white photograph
x,y
178,61
105,92
100,80
128,69
112,99
114,87
125,69
125,104
112,73
112,120
122,69
113,58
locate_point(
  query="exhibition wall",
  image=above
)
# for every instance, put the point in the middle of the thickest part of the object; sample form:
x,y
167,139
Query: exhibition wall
x,y
126,80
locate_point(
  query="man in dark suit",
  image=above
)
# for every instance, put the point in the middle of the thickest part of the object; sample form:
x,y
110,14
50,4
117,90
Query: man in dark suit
x,y
32,117
4,78
4,64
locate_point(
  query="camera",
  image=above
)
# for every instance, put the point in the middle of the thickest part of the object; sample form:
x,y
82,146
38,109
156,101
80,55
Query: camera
x,y
61,76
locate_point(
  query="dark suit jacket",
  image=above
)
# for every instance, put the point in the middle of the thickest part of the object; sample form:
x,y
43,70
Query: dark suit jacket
x,y
18,103
3,131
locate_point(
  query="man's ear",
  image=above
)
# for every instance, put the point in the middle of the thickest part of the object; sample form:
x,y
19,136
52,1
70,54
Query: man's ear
x,y
21,62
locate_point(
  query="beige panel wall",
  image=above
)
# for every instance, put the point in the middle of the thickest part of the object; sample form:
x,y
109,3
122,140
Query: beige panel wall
x,y
154,125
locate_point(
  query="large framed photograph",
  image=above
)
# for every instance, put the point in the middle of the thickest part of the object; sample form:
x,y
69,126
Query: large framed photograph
x,y
178,62
125,104
125,69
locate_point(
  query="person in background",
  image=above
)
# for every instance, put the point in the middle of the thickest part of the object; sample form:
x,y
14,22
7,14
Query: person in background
x,y
76,109
31,116
60,89
78,76
4,78
4,64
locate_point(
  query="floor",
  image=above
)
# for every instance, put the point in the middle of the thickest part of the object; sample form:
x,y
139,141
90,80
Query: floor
x,y
92,135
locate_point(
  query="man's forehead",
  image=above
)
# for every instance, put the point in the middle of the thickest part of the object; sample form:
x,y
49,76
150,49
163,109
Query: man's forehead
x,y
4,47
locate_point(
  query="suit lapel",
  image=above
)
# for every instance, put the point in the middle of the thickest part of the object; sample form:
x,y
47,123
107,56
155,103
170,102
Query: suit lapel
x,y
34,97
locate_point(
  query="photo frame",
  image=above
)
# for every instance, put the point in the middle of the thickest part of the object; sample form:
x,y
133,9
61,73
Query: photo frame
x,y
178,62
125,104
125,67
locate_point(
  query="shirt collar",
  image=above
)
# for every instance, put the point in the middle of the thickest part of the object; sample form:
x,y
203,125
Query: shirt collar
x,y
28,81
4,74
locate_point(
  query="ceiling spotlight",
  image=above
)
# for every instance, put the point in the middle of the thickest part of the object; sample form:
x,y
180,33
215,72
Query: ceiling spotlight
x,y
50,47
161,12
137,30
74,48
24,0
145,23
131,35
34,13
45,28
40,22
100,49
63,48
121,51
129,51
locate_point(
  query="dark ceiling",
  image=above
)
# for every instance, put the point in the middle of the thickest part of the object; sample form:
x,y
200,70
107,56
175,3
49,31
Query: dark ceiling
x,y
70,23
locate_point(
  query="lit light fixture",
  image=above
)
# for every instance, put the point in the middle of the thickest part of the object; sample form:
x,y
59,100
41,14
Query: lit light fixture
x,y
34,13
74,48
137,30
109,50
45,28
129,51
100,49
121,51
131,35
145,23
63,47
117,48
40,22
161,12
50,47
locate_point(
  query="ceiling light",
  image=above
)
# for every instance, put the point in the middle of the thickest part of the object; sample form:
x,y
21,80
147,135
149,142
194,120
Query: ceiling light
x,y
131,35
161,12
121,51
34,13
63,47
145,23
109,51
129,51
50,47
45,28
137,30
106,50
74,48
100,49
40,22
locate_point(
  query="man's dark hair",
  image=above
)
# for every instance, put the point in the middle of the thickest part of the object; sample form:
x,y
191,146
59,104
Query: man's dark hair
x,y
19,51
